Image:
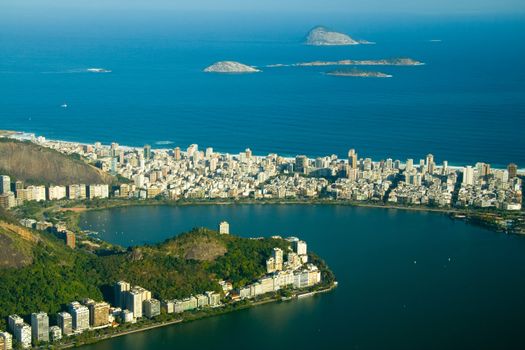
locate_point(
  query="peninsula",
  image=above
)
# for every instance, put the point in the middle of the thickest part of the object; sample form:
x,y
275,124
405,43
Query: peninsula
x,y
86,294
357,73
322,36
230,67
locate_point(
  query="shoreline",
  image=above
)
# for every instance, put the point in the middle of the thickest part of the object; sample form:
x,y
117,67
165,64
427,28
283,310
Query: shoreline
x,y
163,324
32,136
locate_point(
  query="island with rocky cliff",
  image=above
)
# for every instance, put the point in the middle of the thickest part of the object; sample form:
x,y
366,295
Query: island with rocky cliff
x,y
230,67
322,36
357,73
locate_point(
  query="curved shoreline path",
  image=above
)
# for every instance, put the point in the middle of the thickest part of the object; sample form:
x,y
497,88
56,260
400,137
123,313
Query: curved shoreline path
x,y
460,275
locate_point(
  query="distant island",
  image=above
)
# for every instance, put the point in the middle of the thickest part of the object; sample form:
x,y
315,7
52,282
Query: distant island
x,y
322,36
230,67
98,70
381,62
357,73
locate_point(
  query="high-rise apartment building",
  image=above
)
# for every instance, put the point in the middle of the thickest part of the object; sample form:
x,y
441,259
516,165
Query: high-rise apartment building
x,y
65,322
352,159
22,334
5,184
119,293
39,327
80,315
6,341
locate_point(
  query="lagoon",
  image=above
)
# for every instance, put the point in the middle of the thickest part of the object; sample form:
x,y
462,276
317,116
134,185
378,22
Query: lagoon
x,y
402,277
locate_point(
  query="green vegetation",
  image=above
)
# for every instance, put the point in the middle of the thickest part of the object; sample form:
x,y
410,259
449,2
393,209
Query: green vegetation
x,y
188,264
39,165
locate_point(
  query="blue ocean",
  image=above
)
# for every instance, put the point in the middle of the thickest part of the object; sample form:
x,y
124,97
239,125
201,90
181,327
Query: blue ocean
x,y
466,104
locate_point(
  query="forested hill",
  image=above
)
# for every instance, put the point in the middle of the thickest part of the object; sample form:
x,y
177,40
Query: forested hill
x,y
35,164
191,263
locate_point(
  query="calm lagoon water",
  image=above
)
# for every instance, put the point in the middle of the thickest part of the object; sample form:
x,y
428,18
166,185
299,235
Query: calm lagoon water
x,y
408,280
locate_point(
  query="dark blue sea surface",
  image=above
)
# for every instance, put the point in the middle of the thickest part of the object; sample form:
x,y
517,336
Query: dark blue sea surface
x,y
466,104
407,280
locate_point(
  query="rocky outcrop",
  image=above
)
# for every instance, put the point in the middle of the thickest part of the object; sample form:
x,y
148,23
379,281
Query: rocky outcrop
x,y
33,163
322,36
230,67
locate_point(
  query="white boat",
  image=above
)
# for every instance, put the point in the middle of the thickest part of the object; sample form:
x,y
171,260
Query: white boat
x,y
63,105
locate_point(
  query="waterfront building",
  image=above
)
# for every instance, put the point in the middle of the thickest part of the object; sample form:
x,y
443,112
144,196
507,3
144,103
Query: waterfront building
x,y
98,314
214,299
178,306
189,303
65,322
56,192
39,327
202,300
147,152
224,228
134,302
35,193
98,191
55,333
444,167
266,285
168,306
352,159
22,334
151,308
127,316
483,169
301,164
513,170
307,277
80,315
430,163
75,192
13,320
6,341
135,298
209,153
468,176
176,153
119,289
5,184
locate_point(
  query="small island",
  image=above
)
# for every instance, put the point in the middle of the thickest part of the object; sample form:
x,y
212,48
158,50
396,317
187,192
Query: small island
x,y
381,62
230,67
357,73
98,70
322,36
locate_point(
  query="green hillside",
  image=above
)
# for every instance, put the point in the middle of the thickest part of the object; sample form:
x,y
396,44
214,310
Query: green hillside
x,y
188,264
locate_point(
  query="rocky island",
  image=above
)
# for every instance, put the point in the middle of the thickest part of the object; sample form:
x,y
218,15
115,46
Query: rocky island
x,y
322,36
230,67
381,62
358,73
